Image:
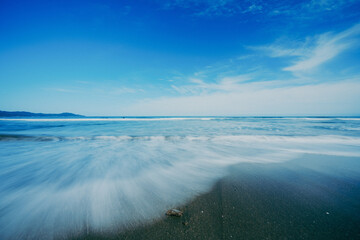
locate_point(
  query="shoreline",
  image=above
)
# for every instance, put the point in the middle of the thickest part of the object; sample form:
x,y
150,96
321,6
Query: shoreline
x,y
316,197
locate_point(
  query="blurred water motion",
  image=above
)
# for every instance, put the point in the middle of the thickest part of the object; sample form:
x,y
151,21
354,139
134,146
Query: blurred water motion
x,y
62,176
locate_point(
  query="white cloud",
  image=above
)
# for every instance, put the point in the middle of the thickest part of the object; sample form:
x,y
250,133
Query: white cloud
x,y
205,7
96,89
314,51
253,8
83,82
226,84
124,90
312,9
62,90
301,10
279,50
323,99
326,48
327,5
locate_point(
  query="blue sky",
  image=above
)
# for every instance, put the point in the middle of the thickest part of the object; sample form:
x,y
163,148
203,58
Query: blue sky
x,y
181,57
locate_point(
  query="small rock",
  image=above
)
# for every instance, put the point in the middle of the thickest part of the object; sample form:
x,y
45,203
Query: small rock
x,y
185,223
174,212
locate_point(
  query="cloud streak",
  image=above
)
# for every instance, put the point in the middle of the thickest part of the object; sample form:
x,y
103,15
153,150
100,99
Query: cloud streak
x,y
226,84
327,47
313,51
295,9
322,99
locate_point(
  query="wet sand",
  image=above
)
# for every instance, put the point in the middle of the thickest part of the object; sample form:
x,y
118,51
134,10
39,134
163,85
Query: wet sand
x,y
313,197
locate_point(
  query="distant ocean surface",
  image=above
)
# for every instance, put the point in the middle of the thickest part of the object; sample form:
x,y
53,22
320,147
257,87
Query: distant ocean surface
x,y
68,176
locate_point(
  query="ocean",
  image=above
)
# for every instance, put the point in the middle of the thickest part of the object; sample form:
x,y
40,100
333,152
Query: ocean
x,y
62,177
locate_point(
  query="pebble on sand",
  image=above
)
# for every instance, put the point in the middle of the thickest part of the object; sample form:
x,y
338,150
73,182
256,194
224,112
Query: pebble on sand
x,y
174,212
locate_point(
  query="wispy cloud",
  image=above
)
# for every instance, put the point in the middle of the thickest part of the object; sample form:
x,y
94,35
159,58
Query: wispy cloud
x,y
62,90
284,49
327,47
300,9
311,9
95,89
83,82
226,84
124,90
313,51
206,7
327,5
326,98
253,8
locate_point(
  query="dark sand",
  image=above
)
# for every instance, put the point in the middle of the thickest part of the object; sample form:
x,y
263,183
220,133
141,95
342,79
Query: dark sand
x,y
314,197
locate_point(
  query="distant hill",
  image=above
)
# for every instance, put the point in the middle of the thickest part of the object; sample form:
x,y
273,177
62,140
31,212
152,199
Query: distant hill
x,y
30,114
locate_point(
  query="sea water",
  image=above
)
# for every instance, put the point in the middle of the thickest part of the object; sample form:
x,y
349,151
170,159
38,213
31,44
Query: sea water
x,y
62,177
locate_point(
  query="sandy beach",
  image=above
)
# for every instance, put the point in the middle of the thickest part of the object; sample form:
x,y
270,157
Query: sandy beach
x,y
314,197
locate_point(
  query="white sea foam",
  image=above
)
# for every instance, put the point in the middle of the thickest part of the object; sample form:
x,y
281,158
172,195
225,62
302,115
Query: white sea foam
x,y
105,183
114,119
269,139
350,119
130,119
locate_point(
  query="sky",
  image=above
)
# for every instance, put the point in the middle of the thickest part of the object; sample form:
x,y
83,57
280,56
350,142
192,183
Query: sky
x,y
181,57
